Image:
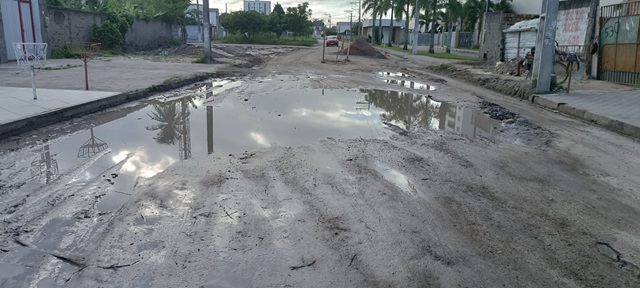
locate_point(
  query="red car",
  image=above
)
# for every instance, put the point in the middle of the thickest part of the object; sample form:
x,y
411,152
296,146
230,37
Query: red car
x,y
332,41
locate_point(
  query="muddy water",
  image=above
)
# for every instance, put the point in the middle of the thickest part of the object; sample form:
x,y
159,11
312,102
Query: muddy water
x,y
142,140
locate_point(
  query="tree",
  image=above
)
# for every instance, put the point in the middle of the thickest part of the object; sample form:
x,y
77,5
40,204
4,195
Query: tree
x,y
247,23
276,21
388,4
297,19
373,7
434,9
503,5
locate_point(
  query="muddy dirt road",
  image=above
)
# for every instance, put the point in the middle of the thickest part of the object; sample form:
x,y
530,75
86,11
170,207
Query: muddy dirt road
x,y
372,173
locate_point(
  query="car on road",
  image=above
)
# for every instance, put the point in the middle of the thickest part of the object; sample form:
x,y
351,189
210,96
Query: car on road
x,y
332,41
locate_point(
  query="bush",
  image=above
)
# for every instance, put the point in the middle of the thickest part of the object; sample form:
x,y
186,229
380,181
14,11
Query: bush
x,y
269,39
475,47
108,35
62,53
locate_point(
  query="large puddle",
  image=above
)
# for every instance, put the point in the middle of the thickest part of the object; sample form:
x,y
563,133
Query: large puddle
x,y
143,140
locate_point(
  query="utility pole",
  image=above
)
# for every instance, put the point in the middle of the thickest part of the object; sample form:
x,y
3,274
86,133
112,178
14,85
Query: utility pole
x,y
360,24
545,46
207,32
450,28
416,28
350,22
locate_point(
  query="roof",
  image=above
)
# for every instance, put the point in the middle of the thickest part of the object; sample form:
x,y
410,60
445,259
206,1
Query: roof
x,y
527,25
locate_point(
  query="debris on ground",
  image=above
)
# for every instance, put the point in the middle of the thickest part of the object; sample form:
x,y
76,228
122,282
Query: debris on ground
x,y
510,67
362,48
513,87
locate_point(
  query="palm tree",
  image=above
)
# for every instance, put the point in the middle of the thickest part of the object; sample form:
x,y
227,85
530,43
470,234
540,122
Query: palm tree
x,y
434,7
388,4
454,10
375,7
403,9
473,10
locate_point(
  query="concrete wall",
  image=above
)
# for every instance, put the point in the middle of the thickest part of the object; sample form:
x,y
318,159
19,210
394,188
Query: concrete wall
x,y
149,35
491,45
65,25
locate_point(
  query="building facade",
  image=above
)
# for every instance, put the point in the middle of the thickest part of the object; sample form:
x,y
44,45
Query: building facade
x,y
20,21
262,7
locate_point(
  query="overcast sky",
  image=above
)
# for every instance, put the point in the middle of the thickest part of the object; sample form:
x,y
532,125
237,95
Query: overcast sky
x,y
319,7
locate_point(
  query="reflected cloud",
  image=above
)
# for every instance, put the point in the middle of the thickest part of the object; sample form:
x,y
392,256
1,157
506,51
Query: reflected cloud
x,y
340,118
140,164
260,139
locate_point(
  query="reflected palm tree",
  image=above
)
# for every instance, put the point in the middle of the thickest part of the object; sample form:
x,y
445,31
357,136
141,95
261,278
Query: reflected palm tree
x,y
409,109
173,124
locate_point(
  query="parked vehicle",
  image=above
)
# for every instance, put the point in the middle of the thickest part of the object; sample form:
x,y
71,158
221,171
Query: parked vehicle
x,y
332,41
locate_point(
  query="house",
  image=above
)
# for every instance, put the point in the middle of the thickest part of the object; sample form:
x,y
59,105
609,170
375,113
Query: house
x,y
21,21
397,31
262,7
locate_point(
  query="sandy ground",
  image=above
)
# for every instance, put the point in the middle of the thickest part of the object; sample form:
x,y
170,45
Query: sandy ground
x,y
420,209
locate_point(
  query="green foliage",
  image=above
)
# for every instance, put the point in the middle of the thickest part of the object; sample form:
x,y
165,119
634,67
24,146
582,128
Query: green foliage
x,y
201,59
108,35
275,20
475,47
269,39
246,23
168,10
298,21
331,31
442,67
62,53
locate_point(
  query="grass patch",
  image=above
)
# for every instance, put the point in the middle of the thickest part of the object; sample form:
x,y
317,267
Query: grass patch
x,y
200,60
439,55
445,67
171,80
69,66
270,40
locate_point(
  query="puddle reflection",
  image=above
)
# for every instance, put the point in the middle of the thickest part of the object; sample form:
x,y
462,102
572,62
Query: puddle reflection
x,y
144,140
393,74
410,84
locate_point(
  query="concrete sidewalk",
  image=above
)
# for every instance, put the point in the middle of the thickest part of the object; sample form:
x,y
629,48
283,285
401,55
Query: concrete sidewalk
x,y
617,111
61,88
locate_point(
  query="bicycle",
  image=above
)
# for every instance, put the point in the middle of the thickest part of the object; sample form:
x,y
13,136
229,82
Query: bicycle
x,y
562,70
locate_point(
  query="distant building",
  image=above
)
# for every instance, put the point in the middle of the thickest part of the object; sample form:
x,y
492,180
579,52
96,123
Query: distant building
x,y
343,27
262,7
194,32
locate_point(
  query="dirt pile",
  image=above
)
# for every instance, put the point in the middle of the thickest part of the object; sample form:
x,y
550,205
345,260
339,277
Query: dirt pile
x,y
362,48
510,67
516,88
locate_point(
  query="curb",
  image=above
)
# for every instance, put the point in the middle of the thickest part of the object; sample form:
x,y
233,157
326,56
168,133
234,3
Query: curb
x,y
38,121
602,121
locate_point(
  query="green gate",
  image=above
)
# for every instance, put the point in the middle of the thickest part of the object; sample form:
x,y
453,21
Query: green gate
x,y
620,43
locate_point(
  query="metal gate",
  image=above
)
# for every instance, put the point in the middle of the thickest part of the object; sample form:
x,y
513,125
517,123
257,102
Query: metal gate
x,y
620,43
21,23
465,39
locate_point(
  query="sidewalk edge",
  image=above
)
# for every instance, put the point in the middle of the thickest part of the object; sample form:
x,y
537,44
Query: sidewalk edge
x,y
42,120
610,124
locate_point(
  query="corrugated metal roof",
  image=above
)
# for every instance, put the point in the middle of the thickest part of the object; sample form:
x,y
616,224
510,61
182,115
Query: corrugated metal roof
x,y
528,25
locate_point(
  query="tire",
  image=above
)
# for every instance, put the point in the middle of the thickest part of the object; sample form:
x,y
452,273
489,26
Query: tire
x,y
562,74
